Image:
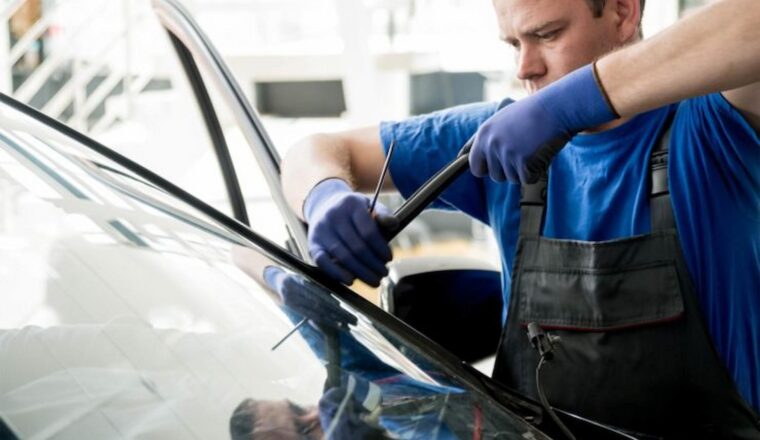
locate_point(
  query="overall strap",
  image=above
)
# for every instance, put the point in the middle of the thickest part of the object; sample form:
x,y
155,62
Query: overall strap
x,y
533,207
659,190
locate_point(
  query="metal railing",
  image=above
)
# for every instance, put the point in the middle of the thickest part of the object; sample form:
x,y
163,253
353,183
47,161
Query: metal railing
x,y
71,97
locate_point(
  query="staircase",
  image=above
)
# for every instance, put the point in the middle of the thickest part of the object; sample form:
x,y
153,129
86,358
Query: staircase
x,y
83,72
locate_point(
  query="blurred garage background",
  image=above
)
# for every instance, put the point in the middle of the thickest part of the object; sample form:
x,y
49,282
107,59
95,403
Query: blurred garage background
x,y
108,69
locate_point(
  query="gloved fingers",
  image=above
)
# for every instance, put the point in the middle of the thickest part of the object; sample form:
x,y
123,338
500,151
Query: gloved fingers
x,y
325,262
349,250
478,165
358,246
364,257
495,167
523,174
297,295
368,231
511,174
345,258
335,234
538,164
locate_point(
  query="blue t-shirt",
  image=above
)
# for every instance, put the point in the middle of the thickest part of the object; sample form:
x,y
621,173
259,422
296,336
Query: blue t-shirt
x,y
598,190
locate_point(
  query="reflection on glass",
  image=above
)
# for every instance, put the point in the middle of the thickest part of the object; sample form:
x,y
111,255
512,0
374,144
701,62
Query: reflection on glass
x,y
371,389
120,323
156,322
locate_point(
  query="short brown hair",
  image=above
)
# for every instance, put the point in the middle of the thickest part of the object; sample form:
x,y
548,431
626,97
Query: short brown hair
x,y
597,6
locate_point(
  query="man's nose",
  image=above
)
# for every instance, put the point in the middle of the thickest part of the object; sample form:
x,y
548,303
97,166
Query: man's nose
x,y
530,63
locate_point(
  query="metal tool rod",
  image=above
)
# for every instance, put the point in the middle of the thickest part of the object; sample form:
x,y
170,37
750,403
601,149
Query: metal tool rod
x,y
382,176
299,325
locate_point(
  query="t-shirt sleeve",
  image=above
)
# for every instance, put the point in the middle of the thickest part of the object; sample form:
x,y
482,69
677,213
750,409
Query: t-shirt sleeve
x,y
425,144
727,140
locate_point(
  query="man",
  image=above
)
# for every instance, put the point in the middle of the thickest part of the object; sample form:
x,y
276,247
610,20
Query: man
x,y
598,260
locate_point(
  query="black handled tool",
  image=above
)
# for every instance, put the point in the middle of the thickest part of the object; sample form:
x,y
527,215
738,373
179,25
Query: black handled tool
x,y
390,226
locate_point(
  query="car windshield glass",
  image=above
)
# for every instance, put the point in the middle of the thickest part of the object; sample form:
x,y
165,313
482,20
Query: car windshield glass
x,y
128,313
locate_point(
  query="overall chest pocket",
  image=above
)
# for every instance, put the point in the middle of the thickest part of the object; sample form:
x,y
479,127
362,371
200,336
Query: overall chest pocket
x,y
618,356
600,300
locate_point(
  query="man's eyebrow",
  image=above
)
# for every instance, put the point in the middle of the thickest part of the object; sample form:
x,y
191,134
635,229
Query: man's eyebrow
x,y
543,26
532,31
507,39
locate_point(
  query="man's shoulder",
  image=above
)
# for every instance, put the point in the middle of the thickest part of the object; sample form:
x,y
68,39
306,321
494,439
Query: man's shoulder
x,y
439,134
475,112
712,123
707,110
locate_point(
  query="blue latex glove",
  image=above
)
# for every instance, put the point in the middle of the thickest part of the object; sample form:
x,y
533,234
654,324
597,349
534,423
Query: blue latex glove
x,y
519,141
307,299
344,238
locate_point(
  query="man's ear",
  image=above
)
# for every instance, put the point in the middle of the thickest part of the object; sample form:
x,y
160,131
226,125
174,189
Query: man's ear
x,y
627,15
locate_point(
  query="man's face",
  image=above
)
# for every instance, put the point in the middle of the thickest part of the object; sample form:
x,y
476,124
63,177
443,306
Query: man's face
x,y
281,420
551,38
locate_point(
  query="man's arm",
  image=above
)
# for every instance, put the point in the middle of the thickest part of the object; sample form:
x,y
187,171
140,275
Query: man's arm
x,y
355,156
712,50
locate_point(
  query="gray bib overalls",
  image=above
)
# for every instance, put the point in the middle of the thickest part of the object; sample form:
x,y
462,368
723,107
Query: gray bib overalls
x,y
633,350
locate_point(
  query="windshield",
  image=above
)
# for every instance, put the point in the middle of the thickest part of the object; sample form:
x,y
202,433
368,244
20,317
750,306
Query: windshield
x,y
127,313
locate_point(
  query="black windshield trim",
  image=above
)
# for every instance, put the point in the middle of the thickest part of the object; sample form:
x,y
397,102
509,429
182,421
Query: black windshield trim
x,y
5,431
214,128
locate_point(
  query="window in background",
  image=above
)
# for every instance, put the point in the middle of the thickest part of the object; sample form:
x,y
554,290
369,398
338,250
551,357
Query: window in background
x,y
684,6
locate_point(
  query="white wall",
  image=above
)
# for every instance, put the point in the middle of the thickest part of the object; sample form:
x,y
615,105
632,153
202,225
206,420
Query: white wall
x,y
659,14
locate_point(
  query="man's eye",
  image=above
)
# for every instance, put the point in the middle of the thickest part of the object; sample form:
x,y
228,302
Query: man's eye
x,y
548,36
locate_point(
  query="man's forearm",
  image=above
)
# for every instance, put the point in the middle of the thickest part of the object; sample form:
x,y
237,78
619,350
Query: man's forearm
x,y
356,156
310,161
715,49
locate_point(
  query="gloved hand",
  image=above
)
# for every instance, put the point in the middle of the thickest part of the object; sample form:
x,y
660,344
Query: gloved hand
x,y
519,141
342,418
308,300
344,238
